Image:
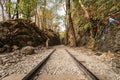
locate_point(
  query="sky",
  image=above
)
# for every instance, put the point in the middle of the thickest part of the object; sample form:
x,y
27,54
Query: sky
x,y
61,12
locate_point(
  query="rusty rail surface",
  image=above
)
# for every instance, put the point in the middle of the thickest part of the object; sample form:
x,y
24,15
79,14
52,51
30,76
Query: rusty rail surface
x,y
84,69
32,73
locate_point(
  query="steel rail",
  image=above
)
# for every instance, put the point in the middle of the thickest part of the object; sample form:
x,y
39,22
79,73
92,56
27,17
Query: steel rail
x,y
84,69
31,74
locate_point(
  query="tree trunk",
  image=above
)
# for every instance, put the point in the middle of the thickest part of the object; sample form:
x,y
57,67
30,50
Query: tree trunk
x,y
28,13
70,23
84,9
66,35
9,9
66,26
17,12
36,14
3,16
44,15
47,42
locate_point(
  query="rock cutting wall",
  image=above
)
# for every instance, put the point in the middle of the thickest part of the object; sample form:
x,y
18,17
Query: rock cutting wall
x,y
19,33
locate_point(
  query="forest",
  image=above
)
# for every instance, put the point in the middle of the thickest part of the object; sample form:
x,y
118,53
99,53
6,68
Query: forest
x,y
78,22
69,32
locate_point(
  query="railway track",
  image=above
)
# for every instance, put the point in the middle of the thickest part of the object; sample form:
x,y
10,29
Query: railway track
x,y
87,72
32,73
90,75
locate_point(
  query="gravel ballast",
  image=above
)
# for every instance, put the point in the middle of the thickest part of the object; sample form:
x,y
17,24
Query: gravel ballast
x,y
61,66
23,66
100,68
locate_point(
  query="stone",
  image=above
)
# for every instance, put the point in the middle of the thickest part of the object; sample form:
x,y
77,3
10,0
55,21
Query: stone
x,y
1,61
14,47
5,60
28,50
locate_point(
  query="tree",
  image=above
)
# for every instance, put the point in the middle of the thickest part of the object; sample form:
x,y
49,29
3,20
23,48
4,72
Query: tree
x,y
84,9
17,10
48,17
27,8
1,4
44,14
70,24
9,9
90,18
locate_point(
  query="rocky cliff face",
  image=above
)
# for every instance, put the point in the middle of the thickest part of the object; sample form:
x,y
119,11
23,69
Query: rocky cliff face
x,y
117,41
111,41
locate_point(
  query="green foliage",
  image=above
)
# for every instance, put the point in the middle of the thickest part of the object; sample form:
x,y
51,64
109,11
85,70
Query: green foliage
x,y
98,10
27,8
86,26
10,5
